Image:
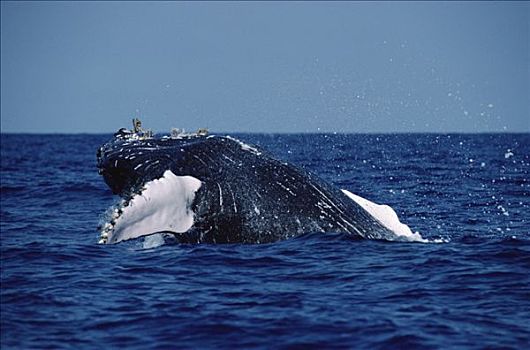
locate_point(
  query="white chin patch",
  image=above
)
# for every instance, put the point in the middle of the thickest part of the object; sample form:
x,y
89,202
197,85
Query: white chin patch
x,y
164,205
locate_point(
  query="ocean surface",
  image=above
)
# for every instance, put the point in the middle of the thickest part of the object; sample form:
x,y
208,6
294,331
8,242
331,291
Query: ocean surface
x,y
471,290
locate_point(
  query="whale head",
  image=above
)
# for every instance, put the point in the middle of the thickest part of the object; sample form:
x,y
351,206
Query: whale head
x,y
154,181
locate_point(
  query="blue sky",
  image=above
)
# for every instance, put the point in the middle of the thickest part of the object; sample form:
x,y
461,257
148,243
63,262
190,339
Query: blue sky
x,y
266,67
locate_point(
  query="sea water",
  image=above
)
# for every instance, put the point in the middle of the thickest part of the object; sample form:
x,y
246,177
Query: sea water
x,y
471,289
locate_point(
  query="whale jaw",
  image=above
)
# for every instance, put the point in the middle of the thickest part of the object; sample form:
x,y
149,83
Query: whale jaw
x,y
162,205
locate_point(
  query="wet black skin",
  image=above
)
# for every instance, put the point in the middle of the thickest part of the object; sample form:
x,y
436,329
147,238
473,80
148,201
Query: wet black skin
x,y
245,197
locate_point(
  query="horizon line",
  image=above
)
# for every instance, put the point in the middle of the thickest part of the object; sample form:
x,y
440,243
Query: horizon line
x,y
286,133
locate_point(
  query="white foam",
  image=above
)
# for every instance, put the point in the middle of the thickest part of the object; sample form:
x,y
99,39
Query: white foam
x,y
387,217
154,241
163,206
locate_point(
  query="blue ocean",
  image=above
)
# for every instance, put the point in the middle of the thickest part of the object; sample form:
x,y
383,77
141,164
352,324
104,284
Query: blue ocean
x,y
467,288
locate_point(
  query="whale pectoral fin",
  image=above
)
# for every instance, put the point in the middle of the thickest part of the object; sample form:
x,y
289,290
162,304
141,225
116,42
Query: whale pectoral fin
x,y
165,205
387,217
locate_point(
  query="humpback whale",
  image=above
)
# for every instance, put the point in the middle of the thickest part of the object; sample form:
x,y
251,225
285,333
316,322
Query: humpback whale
x,y
202,188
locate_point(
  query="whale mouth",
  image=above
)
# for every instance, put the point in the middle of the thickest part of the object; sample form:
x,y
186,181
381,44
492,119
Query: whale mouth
x,y
160,205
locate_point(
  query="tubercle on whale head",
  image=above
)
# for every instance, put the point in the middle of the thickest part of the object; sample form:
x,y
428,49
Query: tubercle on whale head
x,y
106,230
